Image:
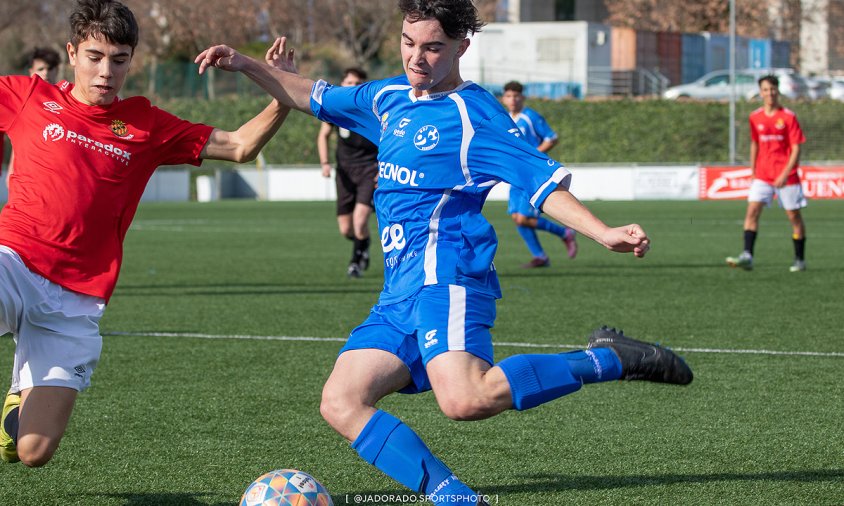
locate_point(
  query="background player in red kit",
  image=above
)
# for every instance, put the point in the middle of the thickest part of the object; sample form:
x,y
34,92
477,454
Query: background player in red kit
x,y
775,137
82,160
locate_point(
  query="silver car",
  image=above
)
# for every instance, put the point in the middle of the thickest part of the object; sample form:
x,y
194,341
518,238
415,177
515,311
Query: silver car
x,y
836,88
716,85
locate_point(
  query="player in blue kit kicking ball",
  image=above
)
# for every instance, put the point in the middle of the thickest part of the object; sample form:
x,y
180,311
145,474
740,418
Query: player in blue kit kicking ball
x,y
443,143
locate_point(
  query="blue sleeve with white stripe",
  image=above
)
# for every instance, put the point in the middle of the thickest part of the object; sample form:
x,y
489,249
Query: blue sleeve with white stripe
x,y
349,107
543,129
498,152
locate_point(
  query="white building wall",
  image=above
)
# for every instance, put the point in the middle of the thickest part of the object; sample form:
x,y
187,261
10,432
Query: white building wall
x,y
537,52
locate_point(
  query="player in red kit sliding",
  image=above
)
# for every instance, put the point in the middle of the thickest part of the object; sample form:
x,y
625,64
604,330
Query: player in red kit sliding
x,y
83,157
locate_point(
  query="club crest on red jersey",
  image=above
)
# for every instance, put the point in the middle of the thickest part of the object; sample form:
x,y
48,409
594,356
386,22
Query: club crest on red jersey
x,y
119,128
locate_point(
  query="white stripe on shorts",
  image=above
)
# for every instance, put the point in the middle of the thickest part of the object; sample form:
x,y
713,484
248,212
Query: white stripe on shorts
x,y
456,318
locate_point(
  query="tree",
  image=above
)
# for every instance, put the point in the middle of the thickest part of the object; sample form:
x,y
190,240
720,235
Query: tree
x,y
683,16
25,24
361,25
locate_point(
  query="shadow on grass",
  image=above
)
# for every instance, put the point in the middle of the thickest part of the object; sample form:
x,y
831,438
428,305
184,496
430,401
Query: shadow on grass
x,y
156,499
533,483
552,482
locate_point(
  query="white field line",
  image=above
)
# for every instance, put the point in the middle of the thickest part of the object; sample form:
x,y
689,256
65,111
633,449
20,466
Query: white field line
x,y
500,343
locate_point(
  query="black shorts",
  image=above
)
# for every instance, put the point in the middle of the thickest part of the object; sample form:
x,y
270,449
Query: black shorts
x,y
355,184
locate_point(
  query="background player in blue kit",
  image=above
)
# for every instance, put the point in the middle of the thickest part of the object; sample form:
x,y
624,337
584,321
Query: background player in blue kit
x,y
443,143
536,131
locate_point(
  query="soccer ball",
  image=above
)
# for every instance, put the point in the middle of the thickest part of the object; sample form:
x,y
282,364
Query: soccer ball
x,y
286,487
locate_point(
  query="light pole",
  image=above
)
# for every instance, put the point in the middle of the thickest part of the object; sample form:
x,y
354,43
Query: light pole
x,y
732,82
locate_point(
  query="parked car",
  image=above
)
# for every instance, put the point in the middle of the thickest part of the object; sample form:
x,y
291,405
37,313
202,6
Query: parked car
x,y
817,87
836,88
716,85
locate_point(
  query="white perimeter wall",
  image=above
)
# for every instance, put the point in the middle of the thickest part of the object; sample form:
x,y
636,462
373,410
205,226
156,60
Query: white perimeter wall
x,y
588,183
305,183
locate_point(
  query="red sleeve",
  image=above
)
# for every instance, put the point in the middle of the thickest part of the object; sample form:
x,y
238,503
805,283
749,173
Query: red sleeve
x,y
180,140
795,133
14,91
754,135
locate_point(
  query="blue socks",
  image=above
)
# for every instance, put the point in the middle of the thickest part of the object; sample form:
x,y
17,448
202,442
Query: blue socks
x,y
537,379
550,226
391,446
532,241
595,365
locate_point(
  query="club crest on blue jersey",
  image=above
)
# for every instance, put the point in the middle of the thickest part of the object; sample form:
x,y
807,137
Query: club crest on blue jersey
x,y
384,123
426,138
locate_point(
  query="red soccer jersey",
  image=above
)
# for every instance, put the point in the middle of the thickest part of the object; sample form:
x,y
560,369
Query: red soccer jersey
x,y
775,136
2,151
80,172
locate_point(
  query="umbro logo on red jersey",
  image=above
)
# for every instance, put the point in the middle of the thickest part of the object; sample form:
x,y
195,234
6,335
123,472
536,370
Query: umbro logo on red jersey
x,y
53,107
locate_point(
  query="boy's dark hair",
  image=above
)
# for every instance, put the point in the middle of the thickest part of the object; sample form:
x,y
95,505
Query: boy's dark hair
x,y
775,82
108,19
355,71
458,18
47,55
514,86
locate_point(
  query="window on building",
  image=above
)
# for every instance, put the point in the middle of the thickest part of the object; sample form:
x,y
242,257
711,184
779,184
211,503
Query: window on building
x,y
564,10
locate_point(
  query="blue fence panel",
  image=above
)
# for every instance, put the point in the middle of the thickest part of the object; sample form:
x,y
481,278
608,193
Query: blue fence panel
x,y
554,90
693,57
760,53
781,53
717,52
549,90
742,53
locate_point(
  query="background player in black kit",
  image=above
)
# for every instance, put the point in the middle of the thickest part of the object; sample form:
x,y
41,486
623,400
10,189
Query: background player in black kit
x,y
357,173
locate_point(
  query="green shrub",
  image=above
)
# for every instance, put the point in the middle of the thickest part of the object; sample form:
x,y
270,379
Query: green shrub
x,y
612,131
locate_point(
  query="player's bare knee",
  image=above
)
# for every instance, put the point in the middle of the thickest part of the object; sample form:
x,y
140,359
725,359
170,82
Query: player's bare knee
x,y
336,408
466,407
519,219
361,233
35,455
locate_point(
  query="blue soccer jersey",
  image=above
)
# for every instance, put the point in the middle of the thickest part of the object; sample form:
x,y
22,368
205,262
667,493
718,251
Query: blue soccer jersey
x,y
534,127
438,157
535,130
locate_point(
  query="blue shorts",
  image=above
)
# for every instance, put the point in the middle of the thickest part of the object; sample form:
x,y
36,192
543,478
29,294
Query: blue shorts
x,y
520,203
439,318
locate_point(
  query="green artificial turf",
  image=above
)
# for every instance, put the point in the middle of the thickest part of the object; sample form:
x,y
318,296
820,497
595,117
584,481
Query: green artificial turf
x,y
186,409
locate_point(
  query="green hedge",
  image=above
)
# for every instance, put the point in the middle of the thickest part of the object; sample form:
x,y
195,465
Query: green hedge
x,y
613,131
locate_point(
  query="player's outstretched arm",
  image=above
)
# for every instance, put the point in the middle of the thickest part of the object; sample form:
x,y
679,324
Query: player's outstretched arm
x,y
292,90
246,142
568,210
322,148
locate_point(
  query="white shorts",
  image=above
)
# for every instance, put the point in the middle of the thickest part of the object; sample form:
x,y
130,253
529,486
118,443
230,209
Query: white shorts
x,y
790,196
56,331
